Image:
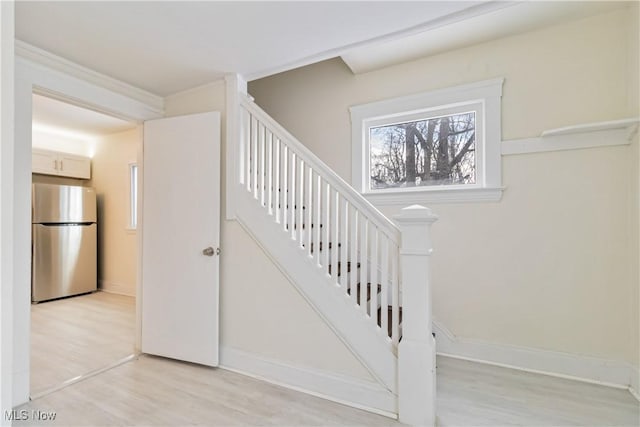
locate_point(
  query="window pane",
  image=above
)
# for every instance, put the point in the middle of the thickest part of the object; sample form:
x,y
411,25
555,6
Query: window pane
x,y
434,151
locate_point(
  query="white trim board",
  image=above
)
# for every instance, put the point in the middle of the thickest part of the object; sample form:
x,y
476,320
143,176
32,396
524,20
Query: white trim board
x,y
634,387
590,135
69,88
357,393
564,365
462,195
48,59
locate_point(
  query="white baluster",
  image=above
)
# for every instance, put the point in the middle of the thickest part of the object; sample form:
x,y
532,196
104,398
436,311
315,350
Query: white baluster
x,y
247,151
300,206
261,166
309,210
254,157
344,238
353,248
242,150
335,227
373,262
364,267
384,282
285,186
276,174
395,296
292,195
269,161
326,210
318,220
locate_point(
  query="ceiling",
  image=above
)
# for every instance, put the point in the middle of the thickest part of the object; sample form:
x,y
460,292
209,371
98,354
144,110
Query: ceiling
x,y
473,26
164,47
53,116
168,46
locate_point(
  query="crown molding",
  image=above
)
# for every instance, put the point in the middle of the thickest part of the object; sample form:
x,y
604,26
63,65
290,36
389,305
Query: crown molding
x,y
42,57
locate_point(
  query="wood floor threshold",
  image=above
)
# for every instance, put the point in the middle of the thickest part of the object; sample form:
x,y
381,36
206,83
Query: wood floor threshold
x,y
82,377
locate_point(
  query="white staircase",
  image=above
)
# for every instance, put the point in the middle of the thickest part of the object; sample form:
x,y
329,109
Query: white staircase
x,y
338,249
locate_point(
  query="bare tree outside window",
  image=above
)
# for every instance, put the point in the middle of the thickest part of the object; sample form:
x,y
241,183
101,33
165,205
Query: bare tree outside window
x,y
434,151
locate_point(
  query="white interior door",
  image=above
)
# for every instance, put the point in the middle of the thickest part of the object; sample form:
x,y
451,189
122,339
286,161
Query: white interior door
x,y
181,234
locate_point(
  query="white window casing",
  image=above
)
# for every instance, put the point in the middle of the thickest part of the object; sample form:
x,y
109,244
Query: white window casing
x,y
483,98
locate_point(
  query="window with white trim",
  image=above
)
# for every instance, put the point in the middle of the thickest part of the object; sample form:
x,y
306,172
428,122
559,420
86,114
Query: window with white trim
x,y
133,196
441,145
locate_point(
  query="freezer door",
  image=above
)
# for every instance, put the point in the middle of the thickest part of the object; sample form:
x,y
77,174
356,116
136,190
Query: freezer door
x,y
63,203
64,261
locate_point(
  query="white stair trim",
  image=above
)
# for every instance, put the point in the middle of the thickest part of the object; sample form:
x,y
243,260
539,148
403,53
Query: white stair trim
x,y
369,345
349,391
354,197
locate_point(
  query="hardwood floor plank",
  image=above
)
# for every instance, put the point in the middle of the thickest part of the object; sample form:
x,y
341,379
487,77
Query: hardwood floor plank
x,y
77,335
153,391
157,391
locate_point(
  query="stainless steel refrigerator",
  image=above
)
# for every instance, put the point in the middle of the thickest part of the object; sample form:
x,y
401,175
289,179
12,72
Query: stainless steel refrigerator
x,y
64,241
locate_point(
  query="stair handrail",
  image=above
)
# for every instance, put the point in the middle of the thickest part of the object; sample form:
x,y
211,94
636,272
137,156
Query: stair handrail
x,y
389,228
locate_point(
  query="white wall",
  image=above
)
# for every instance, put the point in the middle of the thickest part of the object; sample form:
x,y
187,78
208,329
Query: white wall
x,y
6,206
548,267
261,313
117,244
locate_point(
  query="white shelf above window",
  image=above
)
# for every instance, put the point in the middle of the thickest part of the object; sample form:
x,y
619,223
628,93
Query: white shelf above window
x,y
592,127
576,137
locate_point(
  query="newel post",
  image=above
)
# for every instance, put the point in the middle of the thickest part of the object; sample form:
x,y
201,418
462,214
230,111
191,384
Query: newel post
x,y
416,351
235,85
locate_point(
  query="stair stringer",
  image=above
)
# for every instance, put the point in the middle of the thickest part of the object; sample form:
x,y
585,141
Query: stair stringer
x,y
369,345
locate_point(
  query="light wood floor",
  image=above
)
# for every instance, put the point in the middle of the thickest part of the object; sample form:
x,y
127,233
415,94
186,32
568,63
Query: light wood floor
x,y
73,336
154,391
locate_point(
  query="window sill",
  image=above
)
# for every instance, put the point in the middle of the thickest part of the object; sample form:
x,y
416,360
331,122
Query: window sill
x,y
458,195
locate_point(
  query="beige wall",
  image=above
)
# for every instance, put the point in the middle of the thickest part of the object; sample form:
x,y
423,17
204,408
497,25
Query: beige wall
x,y
634,105
548,267
117,246
635,253
261,313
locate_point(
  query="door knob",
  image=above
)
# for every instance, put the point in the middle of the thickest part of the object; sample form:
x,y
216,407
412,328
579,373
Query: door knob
x,y
208,251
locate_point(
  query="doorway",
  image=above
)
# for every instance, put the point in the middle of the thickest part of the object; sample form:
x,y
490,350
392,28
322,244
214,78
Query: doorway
x,y
75,336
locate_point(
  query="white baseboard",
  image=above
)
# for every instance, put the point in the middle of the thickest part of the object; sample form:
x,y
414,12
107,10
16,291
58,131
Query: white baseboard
x,y
353,392
117,288
634,387
565,365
